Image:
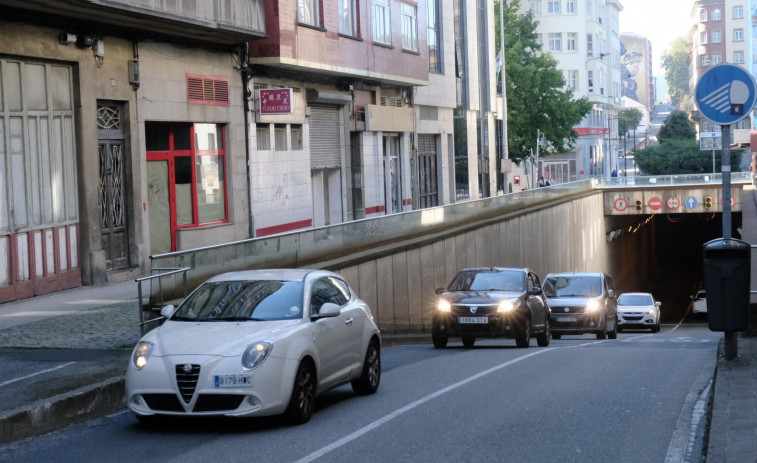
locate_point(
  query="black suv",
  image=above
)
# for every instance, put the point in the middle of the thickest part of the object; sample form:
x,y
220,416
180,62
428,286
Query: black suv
x,y
491,303
582,302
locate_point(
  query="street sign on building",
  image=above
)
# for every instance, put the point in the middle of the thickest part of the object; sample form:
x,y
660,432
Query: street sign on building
x,y
275,101
725,94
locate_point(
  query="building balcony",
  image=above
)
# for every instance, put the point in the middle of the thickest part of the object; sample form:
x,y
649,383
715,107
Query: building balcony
x,y
219,22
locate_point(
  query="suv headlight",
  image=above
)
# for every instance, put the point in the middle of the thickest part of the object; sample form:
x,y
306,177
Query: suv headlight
x,y
592,306
506,306
141,354
255,354
444,306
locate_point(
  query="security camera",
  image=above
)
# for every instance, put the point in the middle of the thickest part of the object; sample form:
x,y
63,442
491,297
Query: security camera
x,y
66,38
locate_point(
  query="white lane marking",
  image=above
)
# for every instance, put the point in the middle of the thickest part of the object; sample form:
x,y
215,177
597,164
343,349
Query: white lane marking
x,y
677,325
35,374
692,412
370,427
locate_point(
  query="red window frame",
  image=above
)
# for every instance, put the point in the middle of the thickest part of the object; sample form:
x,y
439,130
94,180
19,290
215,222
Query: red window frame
x,y
193,153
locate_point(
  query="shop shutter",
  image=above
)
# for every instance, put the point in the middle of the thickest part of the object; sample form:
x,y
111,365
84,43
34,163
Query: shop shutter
x,y
325,150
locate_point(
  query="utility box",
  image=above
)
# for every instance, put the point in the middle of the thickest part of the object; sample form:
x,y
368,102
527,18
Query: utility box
x,y
726,277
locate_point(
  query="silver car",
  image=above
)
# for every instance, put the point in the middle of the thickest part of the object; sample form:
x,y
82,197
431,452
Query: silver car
x,y
638,310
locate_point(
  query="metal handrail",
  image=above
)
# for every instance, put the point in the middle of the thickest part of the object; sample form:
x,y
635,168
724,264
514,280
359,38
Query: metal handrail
x,y
159,276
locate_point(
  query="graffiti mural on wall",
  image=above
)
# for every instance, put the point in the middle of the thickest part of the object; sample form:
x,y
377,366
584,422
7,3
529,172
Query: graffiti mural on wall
x,y
630,67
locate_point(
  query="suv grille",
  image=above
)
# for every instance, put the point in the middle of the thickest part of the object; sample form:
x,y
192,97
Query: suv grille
x,y
187,381
559,309
465,310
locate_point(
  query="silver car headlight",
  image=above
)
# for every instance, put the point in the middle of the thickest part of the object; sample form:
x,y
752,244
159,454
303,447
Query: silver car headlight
x,y
592,306
506,306
444,306
141,354
255,354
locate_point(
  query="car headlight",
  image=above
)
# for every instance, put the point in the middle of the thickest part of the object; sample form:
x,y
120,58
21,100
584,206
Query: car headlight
x,y
255,354
650,311
506,306
444,306
592,306
141,354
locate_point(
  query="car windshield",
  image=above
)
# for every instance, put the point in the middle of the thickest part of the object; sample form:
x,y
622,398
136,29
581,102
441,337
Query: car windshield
x,y
495,280
573,286
243,300
635,299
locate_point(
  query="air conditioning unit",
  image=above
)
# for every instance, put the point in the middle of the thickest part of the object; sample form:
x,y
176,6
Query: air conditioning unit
x,y
706,62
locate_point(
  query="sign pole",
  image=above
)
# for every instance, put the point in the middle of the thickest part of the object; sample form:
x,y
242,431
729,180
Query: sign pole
x,y
713,163
730,339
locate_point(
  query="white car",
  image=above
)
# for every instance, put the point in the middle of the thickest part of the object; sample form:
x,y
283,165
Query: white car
x,y
699,303
638,310
256,343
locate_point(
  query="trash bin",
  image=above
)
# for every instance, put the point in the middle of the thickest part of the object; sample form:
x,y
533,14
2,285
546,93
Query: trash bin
x,y
726,277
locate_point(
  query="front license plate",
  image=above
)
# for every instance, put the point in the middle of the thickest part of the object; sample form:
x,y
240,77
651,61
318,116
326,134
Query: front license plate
x,y
566,319
483,320
233,380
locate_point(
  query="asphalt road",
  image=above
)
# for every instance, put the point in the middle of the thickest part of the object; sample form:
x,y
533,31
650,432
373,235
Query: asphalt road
x,y
637,398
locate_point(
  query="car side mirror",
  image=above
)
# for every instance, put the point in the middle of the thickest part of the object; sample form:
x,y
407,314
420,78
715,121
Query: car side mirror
x,y
328,310
611,292
167,311
439,291
537,291
657,303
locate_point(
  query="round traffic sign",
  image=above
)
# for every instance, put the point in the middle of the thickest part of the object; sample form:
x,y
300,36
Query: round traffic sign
x,y
655,203
620,204
691,202
725,94
733,201
673,203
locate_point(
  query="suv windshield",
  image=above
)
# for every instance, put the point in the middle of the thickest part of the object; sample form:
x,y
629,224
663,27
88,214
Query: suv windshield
x,y
573,286
634,299
243,300
494,280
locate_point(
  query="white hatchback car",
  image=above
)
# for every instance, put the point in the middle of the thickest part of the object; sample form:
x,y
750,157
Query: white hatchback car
x,y
638,310
256,343
699,303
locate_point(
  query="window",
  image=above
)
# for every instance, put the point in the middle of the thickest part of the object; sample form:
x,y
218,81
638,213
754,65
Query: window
x,y
553,7
703,37
570,7
382,32
197,164
434,37
535,7
738,35
327,290
589,45
738,57
570,42
716,14
296,130
409,27
738,12
704,60
590,75
347,18
307,13
280,137
555,42
702,15
207,90
716,37
572,79
717,58
263,135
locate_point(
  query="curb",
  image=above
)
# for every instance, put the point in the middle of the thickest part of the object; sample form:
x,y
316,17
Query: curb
x,y
61,411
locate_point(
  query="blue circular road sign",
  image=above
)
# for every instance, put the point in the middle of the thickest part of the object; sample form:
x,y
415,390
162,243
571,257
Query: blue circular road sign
x,y
691,202
725,94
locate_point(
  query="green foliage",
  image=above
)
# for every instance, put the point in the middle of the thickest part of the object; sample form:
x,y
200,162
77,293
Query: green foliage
x,y
674,156
675,61
536,94
677,126
628,119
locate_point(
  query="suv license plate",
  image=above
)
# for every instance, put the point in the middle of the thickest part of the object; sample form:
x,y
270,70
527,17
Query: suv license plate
x,y
473,320
566,319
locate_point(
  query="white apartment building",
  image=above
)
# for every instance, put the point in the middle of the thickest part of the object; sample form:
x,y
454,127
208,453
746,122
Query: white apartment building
x,y
583,36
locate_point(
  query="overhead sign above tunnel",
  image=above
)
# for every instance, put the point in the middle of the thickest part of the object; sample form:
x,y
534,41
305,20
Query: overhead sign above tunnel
x,y
698,201
726,94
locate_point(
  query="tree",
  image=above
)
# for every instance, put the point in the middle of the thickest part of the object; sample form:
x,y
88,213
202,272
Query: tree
x,y
675,61
537,97
628,119
677,126
677,156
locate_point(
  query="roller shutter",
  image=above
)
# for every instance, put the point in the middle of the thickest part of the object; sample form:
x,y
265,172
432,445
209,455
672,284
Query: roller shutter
x,y
325,151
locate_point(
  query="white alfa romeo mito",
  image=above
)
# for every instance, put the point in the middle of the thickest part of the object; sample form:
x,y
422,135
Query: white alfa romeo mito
x,y
256,343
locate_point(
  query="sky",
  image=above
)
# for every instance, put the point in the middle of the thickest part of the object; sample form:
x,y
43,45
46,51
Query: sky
x,y
660,21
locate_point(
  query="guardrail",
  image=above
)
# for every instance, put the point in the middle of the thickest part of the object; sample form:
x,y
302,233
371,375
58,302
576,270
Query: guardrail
x,y
159,277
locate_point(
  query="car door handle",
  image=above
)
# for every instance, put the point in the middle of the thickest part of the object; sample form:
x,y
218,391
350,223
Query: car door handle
x,y
348,322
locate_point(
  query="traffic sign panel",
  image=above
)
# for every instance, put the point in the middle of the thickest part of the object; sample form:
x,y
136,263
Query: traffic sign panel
x,y
725,94
620,204
673,203
655,203
691,202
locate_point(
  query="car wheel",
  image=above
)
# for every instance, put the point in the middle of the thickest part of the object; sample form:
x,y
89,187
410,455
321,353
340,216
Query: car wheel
x,y
556,335
368,382
656,327
440,341
542,339
302,402
523,339
614,333
468,341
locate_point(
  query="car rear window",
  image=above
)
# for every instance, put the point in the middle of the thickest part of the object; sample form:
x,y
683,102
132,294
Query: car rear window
x,y
634,299
488,281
